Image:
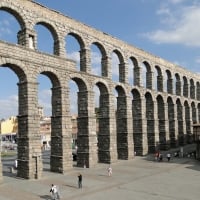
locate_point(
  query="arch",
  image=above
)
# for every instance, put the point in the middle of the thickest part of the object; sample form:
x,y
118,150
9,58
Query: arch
x,y
83,139
55,39
103,136
100,60
53,78
159,82
16,14
120,68
172,128
19,71
148,76
56,132
136,71
78,38
150,123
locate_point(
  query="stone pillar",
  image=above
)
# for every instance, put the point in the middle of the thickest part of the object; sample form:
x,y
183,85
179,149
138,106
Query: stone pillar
x,y
123,73
178,87
167,138
149,76
130,128
140,127
107,148
27,38
184,127
174,128
59,47
137,76
29,139
157,140
170,86
163,124
198,91
124,132
61,133
87,137
192,91
181,123
185,90
106,67
85,60
160,83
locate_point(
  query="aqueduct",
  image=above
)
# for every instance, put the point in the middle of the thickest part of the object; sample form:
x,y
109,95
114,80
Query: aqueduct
x,y
159,113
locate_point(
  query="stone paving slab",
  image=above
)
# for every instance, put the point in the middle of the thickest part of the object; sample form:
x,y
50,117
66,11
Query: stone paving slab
x,y
141,178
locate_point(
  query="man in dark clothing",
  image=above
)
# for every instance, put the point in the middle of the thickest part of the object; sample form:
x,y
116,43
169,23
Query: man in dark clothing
x,y
79,181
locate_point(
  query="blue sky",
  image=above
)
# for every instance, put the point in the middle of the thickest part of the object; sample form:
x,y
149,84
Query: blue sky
x,y
165,28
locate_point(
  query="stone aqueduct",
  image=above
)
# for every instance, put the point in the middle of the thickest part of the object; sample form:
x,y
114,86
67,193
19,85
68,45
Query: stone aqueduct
x,y
143,119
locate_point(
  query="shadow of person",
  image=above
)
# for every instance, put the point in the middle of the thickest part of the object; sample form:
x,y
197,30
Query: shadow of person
x,y
46,197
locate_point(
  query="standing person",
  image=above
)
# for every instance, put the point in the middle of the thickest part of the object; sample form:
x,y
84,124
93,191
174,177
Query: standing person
x,y
168,157
54,192
80,180
109,171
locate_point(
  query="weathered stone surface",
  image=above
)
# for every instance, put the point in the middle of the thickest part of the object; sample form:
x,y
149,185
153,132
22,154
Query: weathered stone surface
x,y
156,115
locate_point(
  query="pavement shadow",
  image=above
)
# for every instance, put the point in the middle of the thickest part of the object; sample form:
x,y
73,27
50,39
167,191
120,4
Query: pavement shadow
x,y
46,197
72,186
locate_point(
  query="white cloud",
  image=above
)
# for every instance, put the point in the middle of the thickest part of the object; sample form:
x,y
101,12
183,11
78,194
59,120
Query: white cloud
x,y
181,26
44,99
9,107
5,27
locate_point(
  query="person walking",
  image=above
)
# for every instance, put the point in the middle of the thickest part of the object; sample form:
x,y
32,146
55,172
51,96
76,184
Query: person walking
x,y
80,178
54,192
109,171
168,157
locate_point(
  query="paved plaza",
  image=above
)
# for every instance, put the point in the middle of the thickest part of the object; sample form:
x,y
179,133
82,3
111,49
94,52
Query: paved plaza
x,y
141,178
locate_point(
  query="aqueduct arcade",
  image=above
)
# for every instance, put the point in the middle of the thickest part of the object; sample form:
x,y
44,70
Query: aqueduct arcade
x,y
145,115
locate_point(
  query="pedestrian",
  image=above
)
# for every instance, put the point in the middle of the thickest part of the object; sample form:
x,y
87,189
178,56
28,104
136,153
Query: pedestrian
x,y
168,157
109,171
16,164
54,192
160,157
80,180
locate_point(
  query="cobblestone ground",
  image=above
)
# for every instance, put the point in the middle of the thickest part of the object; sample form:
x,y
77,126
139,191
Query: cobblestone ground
x,y
141,178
